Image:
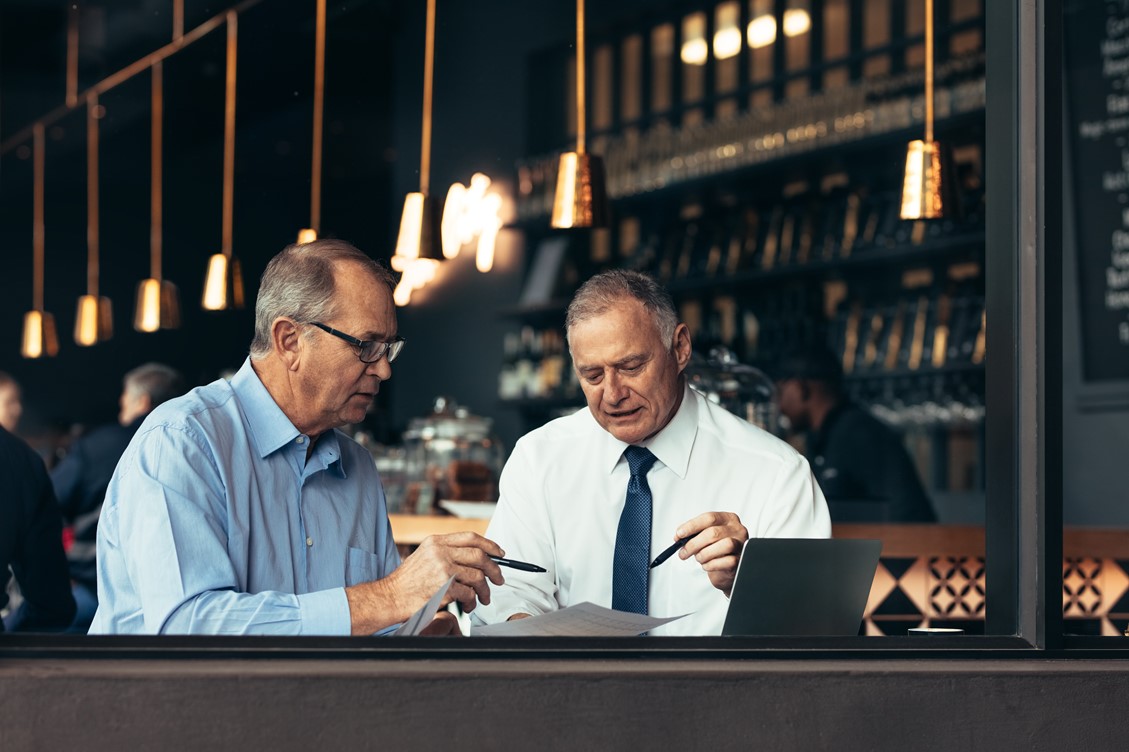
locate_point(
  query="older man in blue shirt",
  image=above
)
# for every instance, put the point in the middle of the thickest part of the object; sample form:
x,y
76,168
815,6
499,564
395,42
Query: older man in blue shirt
x,y
239,509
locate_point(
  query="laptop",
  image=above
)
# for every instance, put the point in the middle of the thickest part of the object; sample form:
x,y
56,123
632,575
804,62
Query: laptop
x,y
796,587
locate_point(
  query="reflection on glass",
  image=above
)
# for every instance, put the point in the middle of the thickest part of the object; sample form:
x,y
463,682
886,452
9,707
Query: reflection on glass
x,y
915,27
970,40
695,50
727,45
662,62
797,47
876,34
631,78
761,35
602,88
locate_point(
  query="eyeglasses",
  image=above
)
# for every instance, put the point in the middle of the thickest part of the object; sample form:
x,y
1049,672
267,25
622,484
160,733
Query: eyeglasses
x,y
368,350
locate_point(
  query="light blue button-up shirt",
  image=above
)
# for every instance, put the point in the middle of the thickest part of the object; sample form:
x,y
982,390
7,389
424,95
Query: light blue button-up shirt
x,y
216,523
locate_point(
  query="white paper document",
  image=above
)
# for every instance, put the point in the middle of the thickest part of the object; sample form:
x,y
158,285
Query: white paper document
x,y
420,619
581,620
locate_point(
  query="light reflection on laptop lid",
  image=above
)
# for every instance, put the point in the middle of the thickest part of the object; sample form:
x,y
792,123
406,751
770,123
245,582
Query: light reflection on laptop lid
x,y
801,587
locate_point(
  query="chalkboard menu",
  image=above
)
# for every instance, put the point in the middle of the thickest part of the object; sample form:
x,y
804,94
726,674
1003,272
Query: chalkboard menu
x,y
1097,94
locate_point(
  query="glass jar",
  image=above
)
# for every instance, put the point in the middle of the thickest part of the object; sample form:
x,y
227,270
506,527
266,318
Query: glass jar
x,y
741,389
450,454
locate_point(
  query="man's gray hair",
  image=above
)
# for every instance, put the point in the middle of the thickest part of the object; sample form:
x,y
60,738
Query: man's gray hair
x,y
157,380
298,283
607,289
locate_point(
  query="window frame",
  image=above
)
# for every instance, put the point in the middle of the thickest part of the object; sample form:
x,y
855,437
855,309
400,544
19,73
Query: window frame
x,y
1024,149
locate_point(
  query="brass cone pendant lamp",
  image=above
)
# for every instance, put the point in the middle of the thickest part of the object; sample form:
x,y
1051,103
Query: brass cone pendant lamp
x,y
927,192
39,336
158,302
310,234
223,285
94,318
419,242
581,199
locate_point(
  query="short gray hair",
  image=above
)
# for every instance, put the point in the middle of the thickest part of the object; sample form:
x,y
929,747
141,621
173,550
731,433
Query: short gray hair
x,y
609,288
298,283
157,380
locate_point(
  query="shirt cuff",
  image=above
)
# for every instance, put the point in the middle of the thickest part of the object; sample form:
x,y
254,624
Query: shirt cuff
x,y
325,612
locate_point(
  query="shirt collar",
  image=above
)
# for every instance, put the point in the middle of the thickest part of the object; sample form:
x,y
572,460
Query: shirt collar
x,y
671,445
269,427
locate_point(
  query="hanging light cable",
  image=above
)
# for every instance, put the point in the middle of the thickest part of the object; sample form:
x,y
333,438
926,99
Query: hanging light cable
x,y
419,243
94,319
39,337
927,192
223,285
311,233
158,302
581,199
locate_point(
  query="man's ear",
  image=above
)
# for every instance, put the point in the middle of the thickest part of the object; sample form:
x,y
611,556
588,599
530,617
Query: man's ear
x,y
682,346
286,341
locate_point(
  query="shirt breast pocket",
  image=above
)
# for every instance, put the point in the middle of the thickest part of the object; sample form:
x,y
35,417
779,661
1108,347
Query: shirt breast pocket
x,y
361,566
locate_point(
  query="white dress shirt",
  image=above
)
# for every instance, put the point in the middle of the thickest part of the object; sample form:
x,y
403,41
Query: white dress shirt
x,y
564,486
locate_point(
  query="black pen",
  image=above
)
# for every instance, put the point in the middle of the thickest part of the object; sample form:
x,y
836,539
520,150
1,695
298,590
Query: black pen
x,y
670,551
517,564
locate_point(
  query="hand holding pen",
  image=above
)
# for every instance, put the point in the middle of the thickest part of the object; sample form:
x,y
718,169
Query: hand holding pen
x,y
715,539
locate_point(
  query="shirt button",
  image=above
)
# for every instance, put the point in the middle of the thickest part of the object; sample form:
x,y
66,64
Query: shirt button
x,y
301,439
309,541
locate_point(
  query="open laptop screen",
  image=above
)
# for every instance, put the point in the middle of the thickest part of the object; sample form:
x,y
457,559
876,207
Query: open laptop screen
x,y
810,586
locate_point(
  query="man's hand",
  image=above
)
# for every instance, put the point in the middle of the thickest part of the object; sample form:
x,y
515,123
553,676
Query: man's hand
x,y
378,604
444,624
717,543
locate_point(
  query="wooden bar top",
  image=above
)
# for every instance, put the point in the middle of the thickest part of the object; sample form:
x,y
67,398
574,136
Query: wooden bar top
x,y
897,539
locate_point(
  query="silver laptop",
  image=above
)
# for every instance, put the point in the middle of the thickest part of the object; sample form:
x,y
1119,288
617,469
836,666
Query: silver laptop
x,y
809,586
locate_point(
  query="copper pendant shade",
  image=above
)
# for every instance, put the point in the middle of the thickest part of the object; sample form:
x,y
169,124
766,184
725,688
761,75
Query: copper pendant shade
x,y
39,336
582,196
158,303
926,189
223,285
581,199
420,234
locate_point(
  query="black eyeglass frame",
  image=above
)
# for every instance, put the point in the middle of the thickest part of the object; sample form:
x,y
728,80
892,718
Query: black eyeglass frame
x,y
391,349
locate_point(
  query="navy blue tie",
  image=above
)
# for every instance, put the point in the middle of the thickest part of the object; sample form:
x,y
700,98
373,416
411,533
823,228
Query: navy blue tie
x,y
630,574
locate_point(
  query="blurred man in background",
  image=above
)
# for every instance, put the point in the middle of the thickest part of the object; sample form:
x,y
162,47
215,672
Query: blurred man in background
x,y
10,405
81,478
31,542
860,462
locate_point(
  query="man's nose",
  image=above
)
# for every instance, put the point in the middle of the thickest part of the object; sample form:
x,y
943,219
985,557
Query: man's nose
x,y
615,391
381,369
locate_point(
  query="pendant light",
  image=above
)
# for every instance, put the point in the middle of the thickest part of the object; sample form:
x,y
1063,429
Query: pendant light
x,y
39,337
310,234
582,198
927,192
158,302
223,285
94,319
419,243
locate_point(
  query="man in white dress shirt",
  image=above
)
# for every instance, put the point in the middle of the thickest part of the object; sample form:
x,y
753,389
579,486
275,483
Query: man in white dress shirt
x,y
715,479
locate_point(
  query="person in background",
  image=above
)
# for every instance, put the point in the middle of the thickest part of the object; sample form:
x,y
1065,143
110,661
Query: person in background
x,y
861,463
595,496
240,509
81,477
10,406
31,542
